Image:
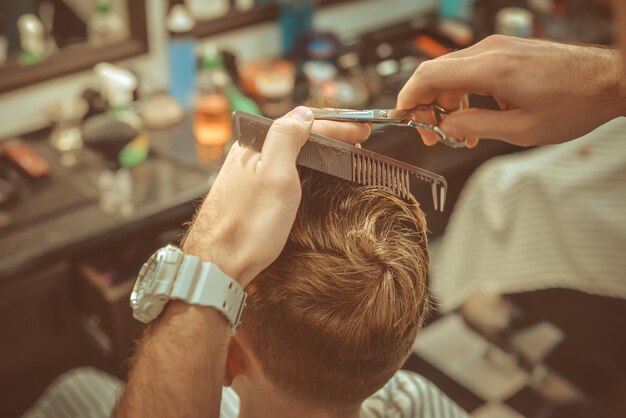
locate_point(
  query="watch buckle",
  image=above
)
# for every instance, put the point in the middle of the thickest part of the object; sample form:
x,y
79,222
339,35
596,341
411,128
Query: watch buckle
x,y
239,313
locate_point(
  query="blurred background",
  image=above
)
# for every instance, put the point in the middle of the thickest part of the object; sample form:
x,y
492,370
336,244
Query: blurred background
x,y
114,120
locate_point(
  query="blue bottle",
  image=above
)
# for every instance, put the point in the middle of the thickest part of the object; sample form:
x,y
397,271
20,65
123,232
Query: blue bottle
x,y
296,22
182,56
459,10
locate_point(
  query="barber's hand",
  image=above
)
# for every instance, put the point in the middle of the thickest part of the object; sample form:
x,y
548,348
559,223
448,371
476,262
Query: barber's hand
x,y
244,222
547,92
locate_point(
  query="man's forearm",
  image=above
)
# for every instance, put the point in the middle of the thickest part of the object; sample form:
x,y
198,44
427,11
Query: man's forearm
x,y
179,367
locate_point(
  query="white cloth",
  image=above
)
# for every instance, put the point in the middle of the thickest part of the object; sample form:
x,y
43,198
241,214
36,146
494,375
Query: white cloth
x,y
551,217
90,393
85,392
408,395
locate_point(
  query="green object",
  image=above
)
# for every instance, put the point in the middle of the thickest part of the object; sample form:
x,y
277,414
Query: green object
x,y
212,60
29,58
215,79
135,152
239,101
104,6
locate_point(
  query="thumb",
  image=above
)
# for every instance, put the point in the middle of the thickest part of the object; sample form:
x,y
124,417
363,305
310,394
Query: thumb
x,y
505,125
286,136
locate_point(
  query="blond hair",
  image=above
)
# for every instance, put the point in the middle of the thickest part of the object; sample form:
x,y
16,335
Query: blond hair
x,y
335,316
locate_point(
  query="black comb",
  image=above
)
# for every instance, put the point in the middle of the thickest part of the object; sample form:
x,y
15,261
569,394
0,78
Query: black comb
x,y
345,161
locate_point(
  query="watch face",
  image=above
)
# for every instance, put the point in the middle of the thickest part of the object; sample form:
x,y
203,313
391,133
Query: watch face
x,y
145,279
154,282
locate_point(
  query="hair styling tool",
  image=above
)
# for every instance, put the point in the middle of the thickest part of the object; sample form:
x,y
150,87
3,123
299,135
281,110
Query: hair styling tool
x,y
392,117
345,161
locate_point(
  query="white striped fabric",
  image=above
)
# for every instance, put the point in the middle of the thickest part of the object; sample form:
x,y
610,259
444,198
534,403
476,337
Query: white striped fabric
x,y
90,393
85,392
408,395
552,217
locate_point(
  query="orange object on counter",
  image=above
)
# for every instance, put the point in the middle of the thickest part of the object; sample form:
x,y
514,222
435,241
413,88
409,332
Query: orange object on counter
x,y
430,47
25,158
250,72
212,124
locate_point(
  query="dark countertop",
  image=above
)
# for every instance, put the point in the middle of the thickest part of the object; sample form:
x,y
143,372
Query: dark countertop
x,y
62,216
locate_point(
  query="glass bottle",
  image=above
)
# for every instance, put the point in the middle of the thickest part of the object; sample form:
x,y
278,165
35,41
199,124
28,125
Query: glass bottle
x,y
212,124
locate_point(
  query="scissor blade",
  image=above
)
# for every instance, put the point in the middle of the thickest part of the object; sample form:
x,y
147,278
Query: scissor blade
x,y
387,116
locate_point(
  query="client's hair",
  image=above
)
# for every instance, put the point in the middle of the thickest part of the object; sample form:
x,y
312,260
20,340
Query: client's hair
x,y
335,316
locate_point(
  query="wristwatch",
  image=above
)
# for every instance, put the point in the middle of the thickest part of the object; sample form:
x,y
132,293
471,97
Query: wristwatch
x,y
171,274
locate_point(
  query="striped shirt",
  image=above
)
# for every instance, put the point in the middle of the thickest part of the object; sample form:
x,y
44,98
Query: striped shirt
x,y
91,393
552,217
408,395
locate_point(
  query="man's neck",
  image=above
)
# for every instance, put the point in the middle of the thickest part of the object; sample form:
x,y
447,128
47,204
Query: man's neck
x,y
253,405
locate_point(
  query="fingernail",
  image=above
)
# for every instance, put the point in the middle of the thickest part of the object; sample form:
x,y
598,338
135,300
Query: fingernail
x,y
303,113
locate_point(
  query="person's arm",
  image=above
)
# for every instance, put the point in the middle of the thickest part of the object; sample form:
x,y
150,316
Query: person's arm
x,y
547,92
241,227
179,367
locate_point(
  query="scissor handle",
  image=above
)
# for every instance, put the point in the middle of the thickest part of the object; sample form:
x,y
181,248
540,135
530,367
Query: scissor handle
x,y
439,112
451,142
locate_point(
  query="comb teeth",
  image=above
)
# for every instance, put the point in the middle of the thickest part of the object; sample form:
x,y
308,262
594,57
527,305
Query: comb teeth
x,y
371,172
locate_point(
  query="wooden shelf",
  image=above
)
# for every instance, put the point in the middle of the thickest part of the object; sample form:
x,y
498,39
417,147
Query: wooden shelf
x,y
259,14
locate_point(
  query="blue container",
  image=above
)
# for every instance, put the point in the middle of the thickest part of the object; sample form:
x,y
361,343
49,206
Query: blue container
x,y
461,10
296,22
183,72
181,51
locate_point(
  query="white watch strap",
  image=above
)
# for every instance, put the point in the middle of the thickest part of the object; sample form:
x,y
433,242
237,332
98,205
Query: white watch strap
x,y
205,284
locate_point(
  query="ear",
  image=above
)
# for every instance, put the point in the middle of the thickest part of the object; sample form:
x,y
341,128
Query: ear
x,y
234,361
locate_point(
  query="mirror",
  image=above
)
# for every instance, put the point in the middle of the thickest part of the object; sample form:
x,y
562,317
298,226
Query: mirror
x,y
43,39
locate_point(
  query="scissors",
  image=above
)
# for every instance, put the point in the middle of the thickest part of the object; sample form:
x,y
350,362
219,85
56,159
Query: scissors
x,y
392,117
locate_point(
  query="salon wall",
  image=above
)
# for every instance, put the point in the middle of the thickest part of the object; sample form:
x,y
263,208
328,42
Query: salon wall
x,y
21,110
